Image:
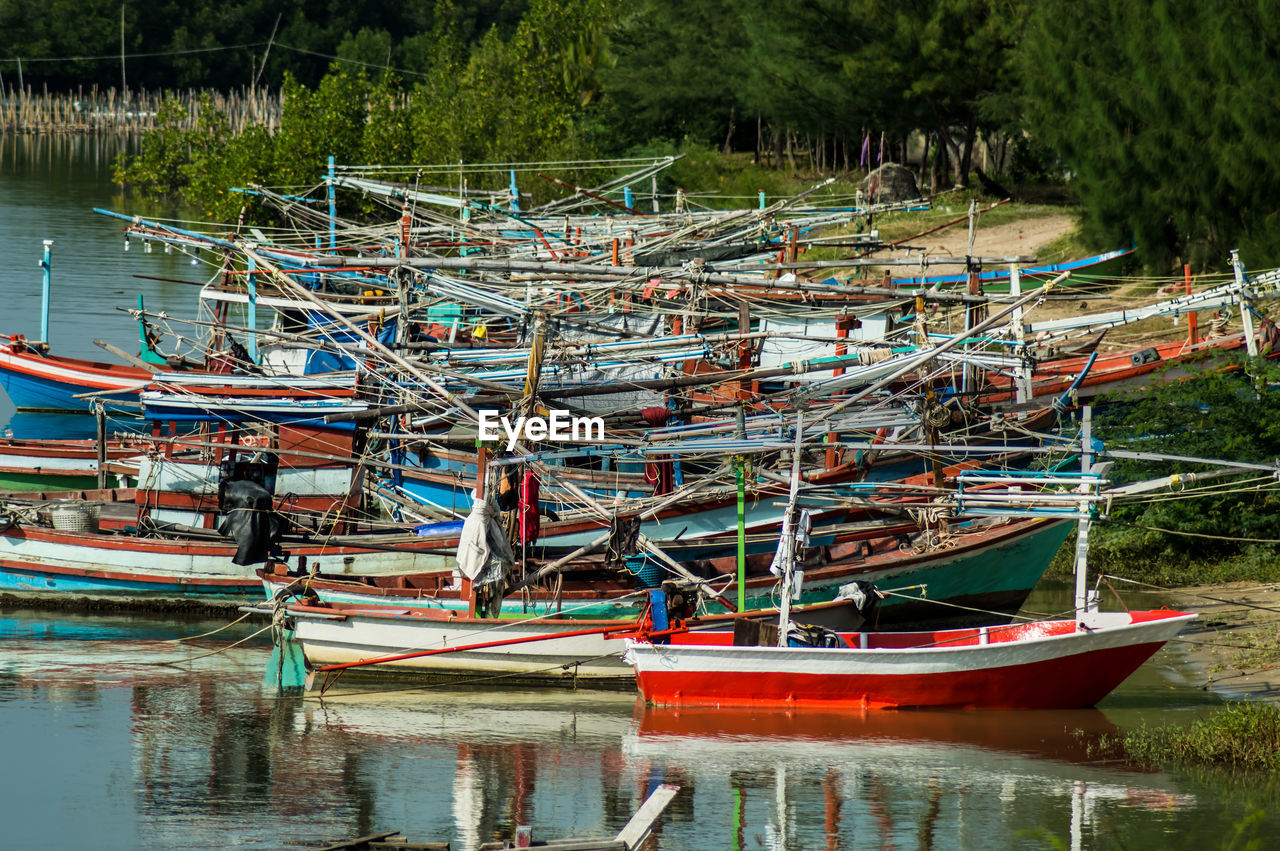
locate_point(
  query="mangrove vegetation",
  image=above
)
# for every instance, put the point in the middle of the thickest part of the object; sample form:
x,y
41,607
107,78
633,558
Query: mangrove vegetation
x,y
1159,122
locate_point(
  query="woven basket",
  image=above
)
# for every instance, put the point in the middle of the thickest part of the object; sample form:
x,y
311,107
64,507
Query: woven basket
x,y
73,518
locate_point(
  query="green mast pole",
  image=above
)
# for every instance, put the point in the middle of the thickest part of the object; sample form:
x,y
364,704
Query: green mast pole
x,y
739,463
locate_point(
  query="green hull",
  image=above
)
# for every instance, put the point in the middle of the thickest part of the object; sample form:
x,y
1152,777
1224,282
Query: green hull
x,y
49,482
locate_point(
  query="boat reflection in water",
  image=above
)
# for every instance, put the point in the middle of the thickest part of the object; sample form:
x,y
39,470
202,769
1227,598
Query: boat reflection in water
x,y
759,779
928,778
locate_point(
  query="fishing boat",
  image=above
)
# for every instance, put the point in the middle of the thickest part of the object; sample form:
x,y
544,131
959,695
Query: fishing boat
x,y
63,553
423,642
1092,375
54,464
76,564
38,381
1044,664
980,573
1060,664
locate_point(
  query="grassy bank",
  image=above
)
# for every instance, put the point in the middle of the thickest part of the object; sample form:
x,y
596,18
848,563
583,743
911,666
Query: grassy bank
x,y
1240,736
1253,565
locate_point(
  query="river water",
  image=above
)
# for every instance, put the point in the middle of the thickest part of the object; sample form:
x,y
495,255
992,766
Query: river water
x,y
116,740
116,736
49,187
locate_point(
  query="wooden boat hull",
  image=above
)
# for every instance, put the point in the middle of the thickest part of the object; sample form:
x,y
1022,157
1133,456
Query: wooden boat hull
x,y
545,650
611,601
355,636
1049,665
43,465
36,382
38,563
1116,370
992,570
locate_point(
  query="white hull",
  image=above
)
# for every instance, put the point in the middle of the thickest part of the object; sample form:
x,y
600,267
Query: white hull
x,y
329,639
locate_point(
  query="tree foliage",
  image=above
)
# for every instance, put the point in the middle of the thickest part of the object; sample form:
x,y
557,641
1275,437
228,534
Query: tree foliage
x,y
1160,118
1165,116
222,44
676,70
1217,415
507,99
827,68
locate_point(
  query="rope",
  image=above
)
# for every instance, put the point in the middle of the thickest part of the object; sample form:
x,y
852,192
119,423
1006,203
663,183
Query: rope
x,y
1193,594
176,662
454,683
1200,535
974,609
211,632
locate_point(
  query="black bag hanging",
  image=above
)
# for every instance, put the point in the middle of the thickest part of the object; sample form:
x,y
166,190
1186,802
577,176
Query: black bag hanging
x,y
624,539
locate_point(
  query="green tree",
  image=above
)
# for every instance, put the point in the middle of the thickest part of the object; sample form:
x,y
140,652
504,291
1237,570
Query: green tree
x,y
677,70
516,99
1165,117
388,134
368,47
316,124
1219,414
800,68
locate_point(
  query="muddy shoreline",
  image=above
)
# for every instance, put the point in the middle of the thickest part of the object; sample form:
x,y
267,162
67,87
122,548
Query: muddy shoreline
x,y
1236,641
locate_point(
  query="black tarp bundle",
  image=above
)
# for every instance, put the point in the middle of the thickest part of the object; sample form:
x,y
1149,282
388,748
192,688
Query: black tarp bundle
x,y
249,519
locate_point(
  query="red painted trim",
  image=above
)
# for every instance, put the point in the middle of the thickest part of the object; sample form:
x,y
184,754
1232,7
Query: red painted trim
x,y
47,472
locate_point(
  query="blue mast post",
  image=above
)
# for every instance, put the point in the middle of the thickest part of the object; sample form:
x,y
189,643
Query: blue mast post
x,y
46,266
628,199
333,208
761,199
515,193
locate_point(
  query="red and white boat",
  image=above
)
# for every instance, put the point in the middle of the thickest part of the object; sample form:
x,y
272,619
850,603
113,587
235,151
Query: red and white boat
x,y
1059,664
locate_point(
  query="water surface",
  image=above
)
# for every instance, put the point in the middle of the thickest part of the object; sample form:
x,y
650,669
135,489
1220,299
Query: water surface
x,y
107,719
49,187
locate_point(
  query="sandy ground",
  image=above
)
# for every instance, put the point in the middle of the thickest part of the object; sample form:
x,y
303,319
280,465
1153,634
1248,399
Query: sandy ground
x,y
1012,239
1236,641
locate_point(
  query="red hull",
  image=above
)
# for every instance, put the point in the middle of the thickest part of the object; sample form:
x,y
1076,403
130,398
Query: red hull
x,y
1057,664
1072,682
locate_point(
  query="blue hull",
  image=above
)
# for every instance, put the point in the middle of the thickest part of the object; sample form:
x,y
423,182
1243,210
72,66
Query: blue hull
x,y
36,582
43,394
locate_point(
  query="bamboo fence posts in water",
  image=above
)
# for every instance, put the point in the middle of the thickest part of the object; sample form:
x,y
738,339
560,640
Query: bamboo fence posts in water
x,y
106,111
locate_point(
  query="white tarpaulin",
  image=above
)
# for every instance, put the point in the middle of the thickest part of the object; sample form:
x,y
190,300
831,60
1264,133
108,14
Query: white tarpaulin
x,y
484,553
